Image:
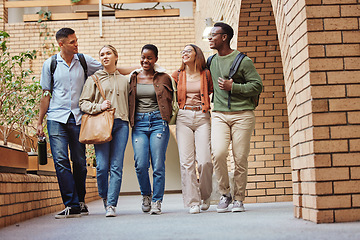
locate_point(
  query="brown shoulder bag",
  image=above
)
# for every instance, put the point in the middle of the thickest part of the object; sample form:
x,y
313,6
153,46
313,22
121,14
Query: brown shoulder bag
x,y
96,128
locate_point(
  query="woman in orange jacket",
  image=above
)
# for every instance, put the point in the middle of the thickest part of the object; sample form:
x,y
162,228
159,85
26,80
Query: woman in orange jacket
x,y
194,86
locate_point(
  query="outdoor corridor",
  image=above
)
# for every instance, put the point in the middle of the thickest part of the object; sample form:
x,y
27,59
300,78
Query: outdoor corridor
x,y
260,221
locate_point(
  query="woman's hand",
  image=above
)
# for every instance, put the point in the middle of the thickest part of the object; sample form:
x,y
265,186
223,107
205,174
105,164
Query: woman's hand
x,y
105,105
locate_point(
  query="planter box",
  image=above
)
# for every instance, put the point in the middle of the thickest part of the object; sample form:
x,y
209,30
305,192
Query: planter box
x,y
36,168
13,160
49,168
91,172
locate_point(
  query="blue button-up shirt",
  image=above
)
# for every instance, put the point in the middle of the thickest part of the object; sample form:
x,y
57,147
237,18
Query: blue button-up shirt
x,y
68,84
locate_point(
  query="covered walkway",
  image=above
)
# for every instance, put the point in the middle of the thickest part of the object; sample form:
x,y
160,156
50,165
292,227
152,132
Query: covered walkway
x,y
260,221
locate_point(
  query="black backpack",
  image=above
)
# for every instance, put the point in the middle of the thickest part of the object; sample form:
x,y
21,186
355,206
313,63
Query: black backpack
x,y
233,69
54,64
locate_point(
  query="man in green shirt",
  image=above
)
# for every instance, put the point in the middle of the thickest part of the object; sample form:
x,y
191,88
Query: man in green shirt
x,y
233,116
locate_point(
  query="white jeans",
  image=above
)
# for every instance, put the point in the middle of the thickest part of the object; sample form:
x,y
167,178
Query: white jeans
x,y
236,127
193,136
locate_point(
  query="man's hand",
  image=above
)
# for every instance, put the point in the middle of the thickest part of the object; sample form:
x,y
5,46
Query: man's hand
x,y
225,84
44,105
40,130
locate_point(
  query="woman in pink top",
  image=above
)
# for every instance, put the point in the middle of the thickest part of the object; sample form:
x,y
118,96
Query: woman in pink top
x,y
193,128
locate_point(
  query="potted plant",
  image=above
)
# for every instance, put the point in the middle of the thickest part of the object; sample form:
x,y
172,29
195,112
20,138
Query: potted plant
x,y
19,97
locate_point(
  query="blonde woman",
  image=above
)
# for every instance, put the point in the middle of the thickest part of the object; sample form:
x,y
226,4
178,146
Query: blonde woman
x,y
110,155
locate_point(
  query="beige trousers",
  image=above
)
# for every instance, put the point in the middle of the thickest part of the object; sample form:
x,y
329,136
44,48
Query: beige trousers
x,y
193,137
236,127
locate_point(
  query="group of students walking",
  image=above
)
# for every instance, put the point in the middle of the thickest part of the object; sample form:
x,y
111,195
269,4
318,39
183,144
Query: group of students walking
x,y
144,100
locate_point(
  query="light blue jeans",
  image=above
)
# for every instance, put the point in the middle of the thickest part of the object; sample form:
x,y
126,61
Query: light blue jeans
x,y
109,160
150,137
62,138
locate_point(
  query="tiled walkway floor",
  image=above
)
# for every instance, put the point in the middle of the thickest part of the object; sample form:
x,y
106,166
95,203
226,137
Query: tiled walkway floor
x,y
260,221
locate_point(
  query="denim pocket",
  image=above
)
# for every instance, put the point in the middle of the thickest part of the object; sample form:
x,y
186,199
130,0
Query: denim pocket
x,y
139,117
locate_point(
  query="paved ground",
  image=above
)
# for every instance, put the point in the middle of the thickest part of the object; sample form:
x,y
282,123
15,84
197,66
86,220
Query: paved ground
x,y
260,221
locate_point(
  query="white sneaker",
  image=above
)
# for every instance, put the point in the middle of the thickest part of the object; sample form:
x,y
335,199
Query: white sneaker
x,y
205,204
110,211
155,208
69,212
194,209
238,206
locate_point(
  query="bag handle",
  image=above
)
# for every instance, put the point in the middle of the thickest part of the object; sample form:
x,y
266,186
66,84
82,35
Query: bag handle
x,y
97,82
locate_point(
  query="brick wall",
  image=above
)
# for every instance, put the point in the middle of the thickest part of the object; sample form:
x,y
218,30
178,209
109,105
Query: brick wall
x,y
269,161
126,35
255,34
320,47
25,196
219,10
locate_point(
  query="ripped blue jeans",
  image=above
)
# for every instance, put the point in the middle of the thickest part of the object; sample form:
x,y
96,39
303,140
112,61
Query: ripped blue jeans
x,y
150,137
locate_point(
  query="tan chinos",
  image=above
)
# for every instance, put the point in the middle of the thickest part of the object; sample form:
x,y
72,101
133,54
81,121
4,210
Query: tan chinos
x,y
236,127
193,136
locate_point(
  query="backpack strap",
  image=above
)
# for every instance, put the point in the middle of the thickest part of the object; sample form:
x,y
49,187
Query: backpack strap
x,y
208,62
233,69
236,63
53,65
83,64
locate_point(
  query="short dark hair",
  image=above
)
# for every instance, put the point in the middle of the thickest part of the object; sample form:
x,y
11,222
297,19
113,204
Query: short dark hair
x,y
63,33
226,28
152,48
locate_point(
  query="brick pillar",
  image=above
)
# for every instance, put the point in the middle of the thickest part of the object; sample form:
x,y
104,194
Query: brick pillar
x,y
269,160
334,65
320,50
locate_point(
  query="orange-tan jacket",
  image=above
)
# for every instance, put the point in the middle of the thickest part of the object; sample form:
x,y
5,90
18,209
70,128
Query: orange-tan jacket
x,y
206,88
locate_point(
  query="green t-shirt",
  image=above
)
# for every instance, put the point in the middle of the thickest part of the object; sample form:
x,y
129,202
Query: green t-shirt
x,y
247,83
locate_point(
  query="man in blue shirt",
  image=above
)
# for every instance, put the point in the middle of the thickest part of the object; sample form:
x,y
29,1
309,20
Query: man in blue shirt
x,y
61,103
